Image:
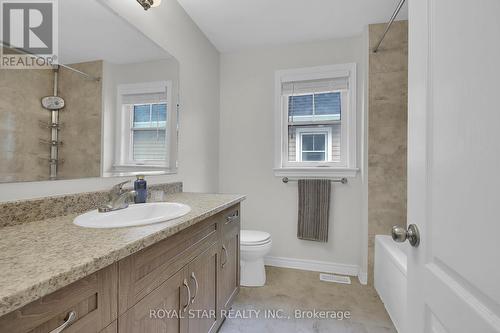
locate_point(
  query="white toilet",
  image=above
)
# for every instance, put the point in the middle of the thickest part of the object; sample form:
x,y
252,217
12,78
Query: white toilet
x,y
254,246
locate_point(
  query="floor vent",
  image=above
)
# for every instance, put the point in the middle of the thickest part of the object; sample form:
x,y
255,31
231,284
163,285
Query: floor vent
x,y
335,278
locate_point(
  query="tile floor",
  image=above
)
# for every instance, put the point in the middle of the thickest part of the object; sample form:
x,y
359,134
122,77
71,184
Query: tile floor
x,y
288,290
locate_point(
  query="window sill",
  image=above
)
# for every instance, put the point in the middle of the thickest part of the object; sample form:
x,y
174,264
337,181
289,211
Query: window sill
x,y
316,172
133,170
116,173
140,166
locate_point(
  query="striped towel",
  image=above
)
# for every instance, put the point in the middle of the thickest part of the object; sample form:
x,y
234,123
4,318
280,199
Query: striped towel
x,y
314,209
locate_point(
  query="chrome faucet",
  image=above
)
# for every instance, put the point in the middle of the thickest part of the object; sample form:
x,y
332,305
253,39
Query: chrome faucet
x,y
119,198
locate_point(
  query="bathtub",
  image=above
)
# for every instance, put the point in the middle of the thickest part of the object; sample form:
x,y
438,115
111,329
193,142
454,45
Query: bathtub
x,y
390,277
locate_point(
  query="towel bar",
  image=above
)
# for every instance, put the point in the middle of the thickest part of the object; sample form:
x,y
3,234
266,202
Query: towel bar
x,y
341,180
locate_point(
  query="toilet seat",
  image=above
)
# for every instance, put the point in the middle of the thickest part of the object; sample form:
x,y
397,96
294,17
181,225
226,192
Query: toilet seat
x,y
250,238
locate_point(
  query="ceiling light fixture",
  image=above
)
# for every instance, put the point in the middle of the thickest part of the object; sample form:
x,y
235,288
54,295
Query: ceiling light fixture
x,y
146,4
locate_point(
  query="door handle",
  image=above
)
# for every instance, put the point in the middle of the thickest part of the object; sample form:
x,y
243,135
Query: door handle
x,y
69,319
185,284
225,256
193,277
233,217
400,235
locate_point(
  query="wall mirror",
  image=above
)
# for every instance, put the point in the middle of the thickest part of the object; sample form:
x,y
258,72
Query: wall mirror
x,y
109,109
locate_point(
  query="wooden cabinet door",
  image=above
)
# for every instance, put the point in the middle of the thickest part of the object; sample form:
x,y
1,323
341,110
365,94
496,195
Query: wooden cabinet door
x,y
86,306
144,271
230,259
161,311
202,274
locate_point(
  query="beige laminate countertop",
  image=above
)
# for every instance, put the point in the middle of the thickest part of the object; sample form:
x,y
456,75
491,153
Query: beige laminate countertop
x,y
41,257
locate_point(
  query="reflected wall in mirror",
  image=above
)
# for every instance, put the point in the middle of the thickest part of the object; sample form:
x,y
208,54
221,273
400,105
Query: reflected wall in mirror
x,y
115,111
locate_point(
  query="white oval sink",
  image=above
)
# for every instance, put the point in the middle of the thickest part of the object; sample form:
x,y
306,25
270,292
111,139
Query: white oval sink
x,y
134,215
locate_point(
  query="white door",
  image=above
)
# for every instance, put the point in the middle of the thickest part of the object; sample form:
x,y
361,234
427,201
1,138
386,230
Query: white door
x,y
454,166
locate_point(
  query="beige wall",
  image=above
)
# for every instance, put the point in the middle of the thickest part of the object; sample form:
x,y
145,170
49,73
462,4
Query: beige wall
x,y
20,132
247,150
81,119
23,157
387,132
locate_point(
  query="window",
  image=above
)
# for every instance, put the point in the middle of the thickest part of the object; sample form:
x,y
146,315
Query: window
x,y
145,129
313,145
312,113
149,127
316,121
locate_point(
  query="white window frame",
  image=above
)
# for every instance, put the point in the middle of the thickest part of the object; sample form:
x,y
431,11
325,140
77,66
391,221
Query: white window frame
x,y
313,130
348,165
124,137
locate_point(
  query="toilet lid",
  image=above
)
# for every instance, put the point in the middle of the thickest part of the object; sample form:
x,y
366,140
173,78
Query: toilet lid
x,y
253,237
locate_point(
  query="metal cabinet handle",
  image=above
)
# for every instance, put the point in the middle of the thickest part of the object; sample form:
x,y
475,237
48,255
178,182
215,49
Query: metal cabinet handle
x,y
225,256
233,217
69,320
185,307
193,277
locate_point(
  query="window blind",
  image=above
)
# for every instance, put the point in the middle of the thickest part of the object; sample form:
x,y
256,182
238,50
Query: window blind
x,y
148,98
315,86
149,145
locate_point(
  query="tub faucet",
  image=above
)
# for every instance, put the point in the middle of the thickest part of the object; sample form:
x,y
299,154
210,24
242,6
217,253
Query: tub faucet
x,y
119,198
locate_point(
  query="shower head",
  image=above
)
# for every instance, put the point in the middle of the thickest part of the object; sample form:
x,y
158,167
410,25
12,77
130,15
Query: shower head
x,y
53,103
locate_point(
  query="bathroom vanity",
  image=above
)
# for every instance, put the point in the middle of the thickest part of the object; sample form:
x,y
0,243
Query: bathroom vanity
x,y
194,273
176,276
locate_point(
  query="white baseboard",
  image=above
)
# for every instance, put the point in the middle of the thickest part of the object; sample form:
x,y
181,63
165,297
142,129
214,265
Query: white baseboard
x,y
363,278
313,265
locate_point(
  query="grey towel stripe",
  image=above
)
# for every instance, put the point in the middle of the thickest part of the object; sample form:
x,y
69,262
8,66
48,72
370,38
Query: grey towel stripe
x,y
314,209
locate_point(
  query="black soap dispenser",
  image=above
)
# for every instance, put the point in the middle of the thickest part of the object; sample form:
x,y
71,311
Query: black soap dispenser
x,y
141,189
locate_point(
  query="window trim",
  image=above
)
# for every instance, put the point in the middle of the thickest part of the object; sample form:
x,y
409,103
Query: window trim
x,y
124,126
348,167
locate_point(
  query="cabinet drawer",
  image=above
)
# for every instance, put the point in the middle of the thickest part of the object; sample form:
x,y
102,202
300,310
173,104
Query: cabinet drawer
x,y
143,272
93,300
